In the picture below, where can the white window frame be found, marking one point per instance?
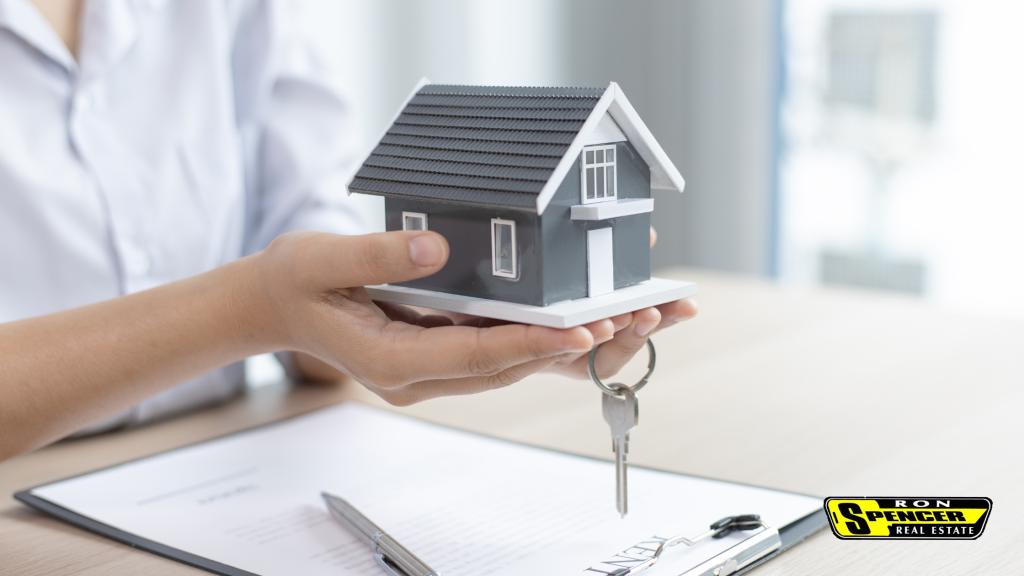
(419, 215)
(494, 243)
(613, 179)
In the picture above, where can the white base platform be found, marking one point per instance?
(561, 315)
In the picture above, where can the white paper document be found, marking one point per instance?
(467, 505)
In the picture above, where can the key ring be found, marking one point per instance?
(636, 387)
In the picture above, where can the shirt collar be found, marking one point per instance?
(23, 20)
(107, 31)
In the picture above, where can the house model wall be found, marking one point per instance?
(544, 194)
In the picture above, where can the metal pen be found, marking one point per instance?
(391, 556)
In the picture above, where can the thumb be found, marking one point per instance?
(382, 258)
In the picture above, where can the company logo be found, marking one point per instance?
(915, 518)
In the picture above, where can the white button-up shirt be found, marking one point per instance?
(187, 134)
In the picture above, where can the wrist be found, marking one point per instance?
(251, 310)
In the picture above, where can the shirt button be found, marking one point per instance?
(136, 261)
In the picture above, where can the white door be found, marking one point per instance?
(600, 267)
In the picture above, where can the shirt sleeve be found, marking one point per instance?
(298, 131)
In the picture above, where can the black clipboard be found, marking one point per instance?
(789, 535)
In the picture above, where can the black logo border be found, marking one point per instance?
(835, 532)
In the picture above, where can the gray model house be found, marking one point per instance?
(544, 194)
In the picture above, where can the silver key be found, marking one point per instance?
(622, 414)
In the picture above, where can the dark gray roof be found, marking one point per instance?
(485, 145)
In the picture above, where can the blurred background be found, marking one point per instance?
(872, 144)
(702, 74)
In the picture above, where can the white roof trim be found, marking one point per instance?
(423, 82)
(570, 156)
(664, 175)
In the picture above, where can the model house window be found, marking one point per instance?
(414, 221)
(503, 248)
(598, 174)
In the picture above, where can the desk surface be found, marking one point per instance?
(852, 394)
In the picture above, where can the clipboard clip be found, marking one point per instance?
(758, 546)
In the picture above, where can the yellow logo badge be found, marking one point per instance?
(908, 518)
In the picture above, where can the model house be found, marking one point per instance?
(544, 194)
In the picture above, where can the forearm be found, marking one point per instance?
(304, 293)
(60, 372)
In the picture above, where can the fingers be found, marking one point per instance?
(400, 313)
(329, 261)
(602, 330)
(622, 320)
(480, 322)
(434, 321)
(627, 342)
(654, 236)
(622, 337)
(406, 355)
(678, 311)
(428, 389)
(415, 354)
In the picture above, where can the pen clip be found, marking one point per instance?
(386, 565)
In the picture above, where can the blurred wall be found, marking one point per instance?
(951, 196)
(701, 73)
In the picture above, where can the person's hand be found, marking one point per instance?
(624, 336)
(316, 304)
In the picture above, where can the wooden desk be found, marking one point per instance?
(825, 393)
